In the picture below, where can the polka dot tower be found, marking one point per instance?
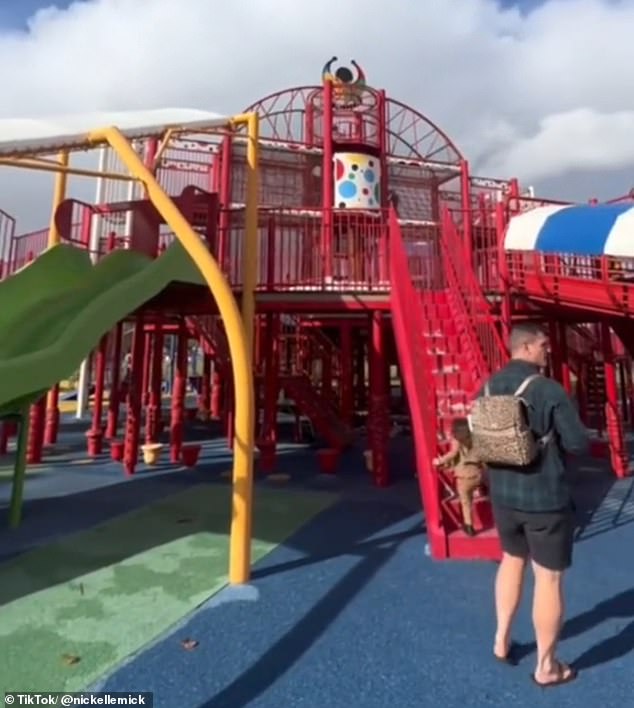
(356, 182)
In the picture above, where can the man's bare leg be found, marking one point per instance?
(508, 593)
(548, 614)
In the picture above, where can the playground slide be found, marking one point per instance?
(54, 311)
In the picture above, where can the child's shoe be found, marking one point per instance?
(469, 530)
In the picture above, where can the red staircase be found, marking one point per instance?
(214, 339)
(444, 348)
(484, 349)
(319, 409)
(593, 373)
(309, 344)
(448, 344)
(583, 349)
(586, 356)
(319, 402)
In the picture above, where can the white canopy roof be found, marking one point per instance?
(28, 136)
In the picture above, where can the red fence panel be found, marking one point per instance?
(27, 247)
(7, 234)
(296, 252)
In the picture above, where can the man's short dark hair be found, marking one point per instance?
(525, 333)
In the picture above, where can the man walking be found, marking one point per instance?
(532, 503)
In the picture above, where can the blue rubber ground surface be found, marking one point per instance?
(351, 613)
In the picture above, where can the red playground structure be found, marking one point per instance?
(388, 276)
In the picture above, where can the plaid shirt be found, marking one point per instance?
(543, 486)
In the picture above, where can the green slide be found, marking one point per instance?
(55, 311)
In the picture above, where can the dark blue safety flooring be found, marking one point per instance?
(350, 611)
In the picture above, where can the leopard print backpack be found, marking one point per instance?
(500, 429)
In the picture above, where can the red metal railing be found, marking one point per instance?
(471, 308)
(422, 247)
(600, 283)
(293, 253)
(25, 248)
(521, 263)
(7, 234)
(416, 369)
(486, 246)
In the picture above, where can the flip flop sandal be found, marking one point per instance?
(562, 677)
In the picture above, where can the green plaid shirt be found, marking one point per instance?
(542, 486)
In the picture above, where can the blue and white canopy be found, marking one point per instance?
(605, 229)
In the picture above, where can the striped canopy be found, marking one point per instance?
(606, 229)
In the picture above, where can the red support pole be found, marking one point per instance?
(153, 421)
(327, 183)
(115, 397)
(347, 375)
(133, 422)
(326, 371)
(566, 381)
(582, 397)
(361, 397)
(35, 442)
(4, 437)
(52, 416)
(147, 366)
(304, 361)
(95, 434)
(216, 393)
(268, 437)
(204, 400)
(556, 360)
(259, 338)
(618, 453)
(225, 196)
(465, 188)
(229, 413)
(379, 417)
(178, 395)
(622, 387)
(269, 344)
(629, 388)
(383, 136)
(503, 273)
(270, 254)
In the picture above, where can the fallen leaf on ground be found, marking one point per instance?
(70, 659)
(189, 644)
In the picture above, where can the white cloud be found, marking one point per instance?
(534, 95)
(581, 139)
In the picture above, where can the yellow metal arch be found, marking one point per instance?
(239, 328)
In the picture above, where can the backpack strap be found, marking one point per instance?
(525, 384)
(545, 439)
(522, 387)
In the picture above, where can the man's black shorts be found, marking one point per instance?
(544, 537)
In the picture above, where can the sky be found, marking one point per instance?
(533, 88)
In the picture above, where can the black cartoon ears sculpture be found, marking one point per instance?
(347, 87)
